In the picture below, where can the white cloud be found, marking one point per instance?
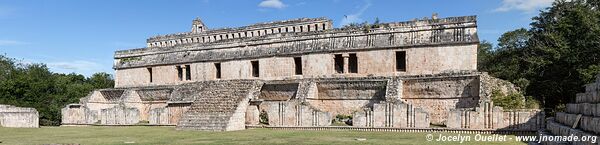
(355, 17)
(10, 42)
(526, 6)
(84, 67)
(272, 4)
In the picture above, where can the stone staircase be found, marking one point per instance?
(581, 118)
(220, 106)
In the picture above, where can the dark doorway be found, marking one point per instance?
(339, 63)
(401, 61)
(255, 67)
(298, 64)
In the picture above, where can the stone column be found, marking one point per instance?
(346, 61)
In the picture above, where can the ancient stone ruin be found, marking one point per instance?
(11, 116)
(581, 118)
(304, 73)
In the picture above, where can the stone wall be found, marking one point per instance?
(159, 116)
(419, 60)
(124, 107)
(11, 116)
(392, 114)
(375, 101)
(581, 118)
(487, 116)
(255, 30)
(77, 114)
(488, 84)
(293, 113)
(346, 97)
(119, 115)
(439, 95)
(431, 46)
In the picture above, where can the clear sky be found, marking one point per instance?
(81, 35)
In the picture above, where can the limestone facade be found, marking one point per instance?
(299, 72)
(11, 116)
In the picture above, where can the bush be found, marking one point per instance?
(342, 120)
(514, 100)
(34, 85)
(264, 118)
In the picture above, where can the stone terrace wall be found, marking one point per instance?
(77, 114)
(11, 116)
(220, 106)
(119, 115)
(260, 29)
(581, 118)
(392, 114)
(448, 31)
(438, 95)
(487, 116)
(294, 113)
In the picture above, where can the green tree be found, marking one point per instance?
(34, 85)
(555, 57)
(562, 52)
(102, 80)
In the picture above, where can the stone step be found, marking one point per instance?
(215, 105)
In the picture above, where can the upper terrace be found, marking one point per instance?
(190, 42)
(255, 30)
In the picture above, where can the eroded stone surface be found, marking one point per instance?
(11, 116)
(299, 72)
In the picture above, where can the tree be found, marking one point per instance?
(34, 85)
(552, 60)
(563, 50)
(102, 80)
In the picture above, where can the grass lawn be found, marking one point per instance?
(168, 135)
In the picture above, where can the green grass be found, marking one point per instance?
(168, 135)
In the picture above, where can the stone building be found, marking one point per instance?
(300, 72)
(11, 116)
(580, 119)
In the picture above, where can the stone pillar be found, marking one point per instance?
(346, 61)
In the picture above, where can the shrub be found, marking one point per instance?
(514, 100)
(264, 118)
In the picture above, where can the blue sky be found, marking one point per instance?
(81, 35)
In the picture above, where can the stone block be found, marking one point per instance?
(421, 118)
(119, 115)
(11, 116)
(573, 108)
(454, 118)
(560, 117)
(596, 125)
(587, 109)
(362, 118)
(252, 115)
(597, 111)
(582, 98)
(291, 113)
(159, 116)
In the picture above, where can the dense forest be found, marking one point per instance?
(553, 59)
(550, 62)
(34, 85)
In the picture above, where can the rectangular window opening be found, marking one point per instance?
(401, 61)
(255, 67)
(218, 70)
(353, 63)
(179, 73)
(150, 73)
(298, 64)
(188, 72)
(339, 63)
